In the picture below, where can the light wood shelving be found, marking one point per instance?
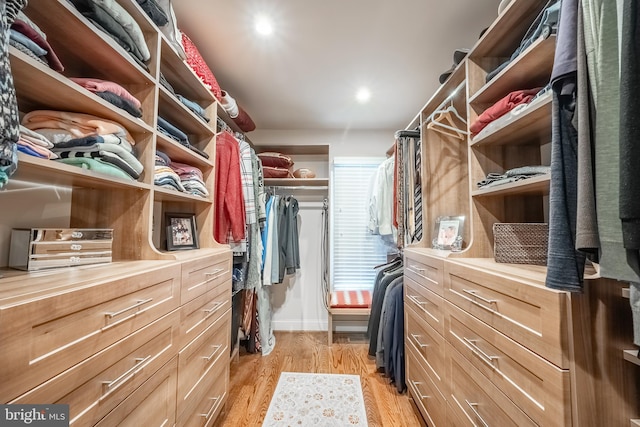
(536, 185)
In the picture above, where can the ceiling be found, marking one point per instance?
(305, 75)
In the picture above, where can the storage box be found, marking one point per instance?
(41, 248)
(521, 243)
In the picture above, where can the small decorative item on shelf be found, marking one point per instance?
(447, 233)
(181, 231)
(41, 248)
(521, 243)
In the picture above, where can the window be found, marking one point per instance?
(354, 250)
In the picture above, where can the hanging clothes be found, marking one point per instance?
(229, 209)
(385, 276)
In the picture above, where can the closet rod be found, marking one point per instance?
(298, 187)
(447, 99)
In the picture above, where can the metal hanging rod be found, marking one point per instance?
(298, 187)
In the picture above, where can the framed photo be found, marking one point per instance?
(447, 233)
(181, 231)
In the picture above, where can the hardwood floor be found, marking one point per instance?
(254, 378)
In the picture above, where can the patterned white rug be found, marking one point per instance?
(318, 400)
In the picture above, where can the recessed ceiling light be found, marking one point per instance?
(263, 25)
(363, 95)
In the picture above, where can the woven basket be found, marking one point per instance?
(521, 243)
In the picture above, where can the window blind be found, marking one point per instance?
(354, 250)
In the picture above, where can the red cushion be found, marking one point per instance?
(200, 67)
(350, 299)
(270, 172)
(275, 160)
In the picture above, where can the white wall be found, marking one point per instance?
(298, 302)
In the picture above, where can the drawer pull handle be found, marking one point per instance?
(215, 350)
(415, 267)
(214, 272)
(476, 349)
(213, 309)
(124, 310)
(76, 247)
(215, 403)
(420, 395)
(127, 375)
(415, 299)
(476, 413)
(415, 337)
(475, 294)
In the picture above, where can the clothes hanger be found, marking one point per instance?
(442, 122)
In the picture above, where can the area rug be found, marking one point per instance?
(318, 400)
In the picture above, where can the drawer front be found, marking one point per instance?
(426, 395)
(210, 402)
(98, 384)
(70, 248)
(202, 311)
(44, 337)
(198, 359)
(426, 271)
(474, 398)
(428, 305)
(429, 345)
(201, 275)
(151, 405)
(539, 388)
(528, 313)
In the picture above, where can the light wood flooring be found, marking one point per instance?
(253, 378)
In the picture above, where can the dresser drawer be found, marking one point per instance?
(202, 275)
(197, 362)
(526, 312)
(43, 337)
(202, 311)
(151, 405)
(426, 395)
(98, 384)
(539, 388)
(207, 408)
(428, 305)
(425, 270)
(428, 345)
(476, 401)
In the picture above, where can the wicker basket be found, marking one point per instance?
(521, 243)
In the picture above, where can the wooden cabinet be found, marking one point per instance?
(516, 352)
(124, 343)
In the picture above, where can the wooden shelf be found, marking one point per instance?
(534, 124)
(180, 153)
(537, 185)
(176, 113)
(297, 182)
(168, 195)
(504, 35)
(39, 87)
(634, 423)
(86, 44)
(49, 172)
(531, 69)
(625, 293)
(181, 77)
(631, 356)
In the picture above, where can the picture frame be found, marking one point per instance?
(182, 232)
(448, 232)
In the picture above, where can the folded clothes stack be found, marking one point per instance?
(115, 21)
(27, 37)
(178, 176)
(513, 175)
(87, 141)
(34, 144)
(502, 107)
(173, 132)
(154, 11)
